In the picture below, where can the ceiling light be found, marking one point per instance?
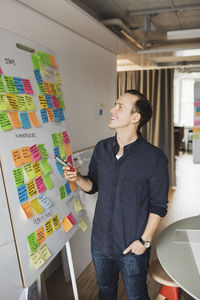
(183, 34)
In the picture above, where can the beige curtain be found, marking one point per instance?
(157, 86)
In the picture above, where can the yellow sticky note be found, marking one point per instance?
(66, 224)
(35, 204)
(31, 188)
(78, 206)
(53, 88)
(36, 260)
(21, 102)
(12, 101)
(44, 252)
(37, 169)
(33, 119)
(58, 77)
(29, 171)
(27, 209)
(82, 225)
(40, 234)
(14, 119)
(56, 222)
(42, 101)
(48, 227)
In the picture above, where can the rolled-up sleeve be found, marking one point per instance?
(92, 173)
(159, 187)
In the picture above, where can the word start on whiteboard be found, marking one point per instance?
(10, 61)
(25, 135)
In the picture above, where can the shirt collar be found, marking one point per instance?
(130, 147)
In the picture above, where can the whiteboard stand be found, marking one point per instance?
(71, 269)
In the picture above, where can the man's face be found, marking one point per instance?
(121, 116)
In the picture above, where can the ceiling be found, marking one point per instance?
(147, 25)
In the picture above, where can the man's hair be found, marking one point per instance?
(142, 106)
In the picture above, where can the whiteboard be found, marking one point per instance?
(16, 62)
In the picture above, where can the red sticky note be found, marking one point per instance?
(35, 153)
(40, 186)
(71, 218)
(27, 86)
(1, 72)
(55, 102)
(66, 138)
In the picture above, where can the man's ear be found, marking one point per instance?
(136, 118)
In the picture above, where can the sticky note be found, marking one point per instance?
(1, 72)
(198, 113)
(61, 102)
(196, 103)
(60, 138)
(43, 151)
(41, 57)
(40, 234)
(50, 115)
(69, 159)
(47, 87)
(10, 84)
(31, 188)
(68, 149)
(14, 118)
(196, 129)
(25, 120)
(36, 260)
(48, 101)
(35, 153)
(56, 115)
(2, 86)
(54, 138)
(78, 206)
(82, 225)
(66, 224)
(41, 88)
(42, 101)
(198, 108)
(62, 192)
(40, 185)
(59, 168)
(48, 181)
(67, 188)
(29, 171)
(27, 209)
(60, 114)
(35, 61)
(44, 252)
(62, 151)
(19, 85)
(26, 154)
(53, 89)
(56, 222)
(71, 218)
(196, 136)
(44, 116)
(35, 204)
(73, 186)
(52, 59)
(27, 86)
(66, 138)
(29, 102)
(33, 119)
(48, 227)
(3, 104)
(22, 193)
(56, 151)
(196, 122)
(18, 176)
(44, 201)
(38, 76)
(37, 169)
(17, 157)
(21, 102)
(45, 166)
(58, 77)
(55, 102)
(45, 73)
(12, 101)
(32, 241)
(58, 89)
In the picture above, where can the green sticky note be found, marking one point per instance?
(45, 166)
(42, 150)
(18, 176)
(61, 102)
(35, 62)
(62, 151)
(4, 121)
(48, 181)
(42, 59)
(47, 59)
(2, 86)
(62, 192)
(3, 104)
(10, 84)
(41, 88)
(32, 241)
(21, 102)
(60, 139)
(196, 136)
(29, 102)
(54, 138)
(29, 171)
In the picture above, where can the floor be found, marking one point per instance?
(183, 203)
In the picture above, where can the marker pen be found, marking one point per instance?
(64, 163)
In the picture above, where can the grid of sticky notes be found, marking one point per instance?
(50, 97)
(32, 178)
(196, 128)
(16, 104)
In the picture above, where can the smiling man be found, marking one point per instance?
(131, 178)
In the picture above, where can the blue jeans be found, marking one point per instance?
(133, 269)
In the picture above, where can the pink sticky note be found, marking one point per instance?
(55, 102)
(40, 186)
(71, 218)
(196, 122)
(1, 72)
(69, 159)
(66, 138)
(27, 86)
(196, 103)
(35, 153)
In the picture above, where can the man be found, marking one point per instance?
(131, 178)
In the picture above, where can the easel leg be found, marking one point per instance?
(71, 269)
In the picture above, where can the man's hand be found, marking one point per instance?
(71, 176)
(136, 247)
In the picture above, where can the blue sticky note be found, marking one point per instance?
(67, 188)
(38, 76)
(61, 114)
(56, 115)
(25, 120)
(48, 100)
(19, 85)
(198, 108)
(56, 151)
(44, 116)
(22, 193)
(59, 168)
(44, 201)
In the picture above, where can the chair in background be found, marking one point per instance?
(189, 143)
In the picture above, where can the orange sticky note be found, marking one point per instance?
(198, 113)
(68, 149)
(66, 224)
(27, 209)
(14, 119)
(17, 157)
(196, 129)
(33, 119)
(40, 234)
(26, 153)
(73, 186)
(50, 115)
(52, 59)
(47, 87)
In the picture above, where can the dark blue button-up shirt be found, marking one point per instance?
(128, 190)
